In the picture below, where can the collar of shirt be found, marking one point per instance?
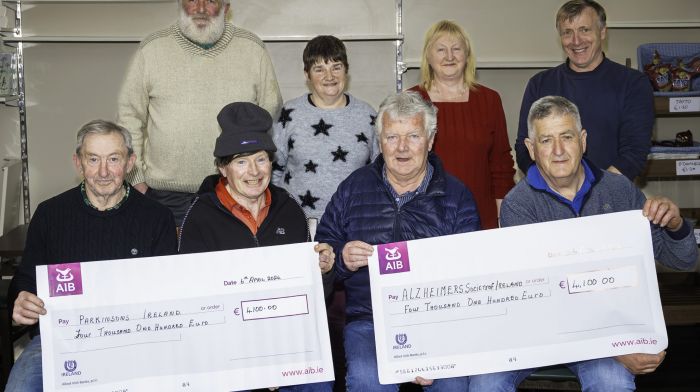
(535, 179)
(311, 102)
(240, 212)
(408, 196)
(116, 206)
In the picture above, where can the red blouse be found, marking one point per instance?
(472, 142)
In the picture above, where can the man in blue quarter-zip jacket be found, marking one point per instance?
(562, 184)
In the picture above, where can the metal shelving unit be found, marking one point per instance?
(18, 100)
(13, 37)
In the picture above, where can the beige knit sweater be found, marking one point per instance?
(171, 95)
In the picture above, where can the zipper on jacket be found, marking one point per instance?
(220, 207)
(576, 214)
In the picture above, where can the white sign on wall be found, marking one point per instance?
(684, 104)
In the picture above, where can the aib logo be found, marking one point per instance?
(401, 339)
(65, 279)
(393, 258)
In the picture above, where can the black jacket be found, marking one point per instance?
(209, 227)
(64, 229)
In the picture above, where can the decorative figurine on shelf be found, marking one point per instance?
(684, 139)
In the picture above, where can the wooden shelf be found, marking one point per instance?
(691, 213)
(666, 169)
(680, 297)
(661, 107)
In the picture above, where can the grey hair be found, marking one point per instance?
(407, 104)
(552, 106)
(102, 127)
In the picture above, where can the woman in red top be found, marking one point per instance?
(472, 139)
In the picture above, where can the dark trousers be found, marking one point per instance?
(178, 202)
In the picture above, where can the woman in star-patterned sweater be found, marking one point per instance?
(323, 136)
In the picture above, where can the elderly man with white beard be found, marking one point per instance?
(178, 80)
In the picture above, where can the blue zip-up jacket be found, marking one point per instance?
(363, 209)
(526, 204)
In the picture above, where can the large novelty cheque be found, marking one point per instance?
(515, 298)
(217, 321)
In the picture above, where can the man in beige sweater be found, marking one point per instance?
(178, 81)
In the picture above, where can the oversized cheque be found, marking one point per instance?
(216, 321)
(515, 298)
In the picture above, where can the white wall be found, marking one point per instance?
(71, 83)
(68, 84)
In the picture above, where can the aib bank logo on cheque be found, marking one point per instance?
(393, 258)
(65, 279)
(401, 340)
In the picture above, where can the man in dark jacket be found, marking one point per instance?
(103, 218)
(403, 195)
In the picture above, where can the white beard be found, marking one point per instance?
(206, 35)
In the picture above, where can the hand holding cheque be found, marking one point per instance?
(663, 212)
(356, 254)
(28, 308)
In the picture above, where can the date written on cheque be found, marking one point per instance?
(252, 279)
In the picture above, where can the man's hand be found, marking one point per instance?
(28, 308)
(326, 257)
(356, 254)
(641, 363)
(422, 381)
(663, 212)
(141, 187)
